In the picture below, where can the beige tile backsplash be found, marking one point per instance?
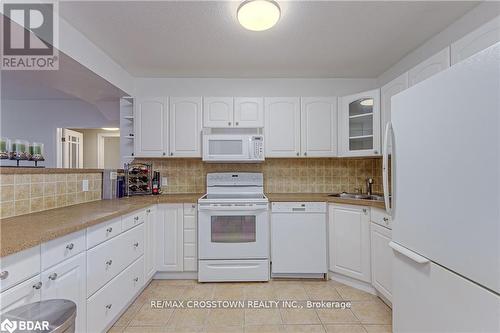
(28, 193)
(311, 175)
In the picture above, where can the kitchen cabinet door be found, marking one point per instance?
(185, 126)
(386, 92)
(349, 237)
(190, 238)
(359, 124)
(26, 292)
(67, 280)
(429, 67)
(282, 126)
(319, 126)
(218, 112)
(150, 243)
(476, 41)
(150, 127)
(381, 262)
(249, 112)
(170, 238)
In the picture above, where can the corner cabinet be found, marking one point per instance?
(282, 126)
(150, 127)
(318, 126)
(185, 126)
(170, 238)
(349, 239)
(359, 124)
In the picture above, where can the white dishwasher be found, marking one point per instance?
(298, 239)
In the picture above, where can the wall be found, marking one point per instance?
(37, 120)
(478, 16)
(294, 175)
(250, 87)
(90, 147)
(28, 193)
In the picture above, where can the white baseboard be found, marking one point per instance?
(361, 285)
(176, 276)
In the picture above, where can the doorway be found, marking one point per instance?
(69, 149)
(108, 151)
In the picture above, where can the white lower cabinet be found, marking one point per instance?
(105, 305)
(190, 238)
(67, 280)
(170, 238)
(382, 256)
(349, 238)
(150, 229)
(26, 292)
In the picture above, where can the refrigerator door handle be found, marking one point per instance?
(408, 253)
(385, 169)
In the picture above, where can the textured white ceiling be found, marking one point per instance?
(312, 39)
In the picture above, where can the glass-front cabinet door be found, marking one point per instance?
(359, 125)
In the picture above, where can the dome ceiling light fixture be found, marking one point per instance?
(258, 15)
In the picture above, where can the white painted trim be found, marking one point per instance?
(176, 276)
(100, 147)
(361, 285)
(59, 161)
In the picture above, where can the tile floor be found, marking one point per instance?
(368, 313)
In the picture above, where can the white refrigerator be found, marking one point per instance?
(442, 162)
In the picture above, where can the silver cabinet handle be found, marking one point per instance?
(109, 262)
(229, 123)
(375, 152)
(70, 246)
(365, 210)
(109, 229)
(109, 306)
(4, 275)
(37, 285)
(136, 244)
(148, 211)
(53, 276)
(136, 218)
(136, 279)
(298, 154)
(237, 123)
(164, 153)
(171, 154)
(305, 154)
(385, 219)
(193, 206)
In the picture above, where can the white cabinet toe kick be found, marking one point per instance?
(233, 270)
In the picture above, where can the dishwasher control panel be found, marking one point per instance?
(298, 207)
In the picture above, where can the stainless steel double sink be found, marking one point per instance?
(359, 196)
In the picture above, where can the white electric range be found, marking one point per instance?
(233, 229)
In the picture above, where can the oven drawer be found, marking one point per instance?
(233, 270)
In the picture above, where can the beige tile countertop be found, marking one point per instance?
(323, 197)
(24, 231)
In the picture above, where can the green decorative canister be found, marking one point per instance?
(4, 148)
(36, 151)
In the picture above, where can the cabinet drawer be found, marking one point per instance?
(19, 266)
(132, 220)
(135, 278)
(189, 222)
(59, 249)
(104, 262)
(132, 244)
(189, 236)
(189, 209)
(102, 232)
(104, 306)
(380, 217)
(21, 294)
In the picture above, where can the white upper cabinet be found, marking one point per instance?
(476, 41)
(386, 92)
(359, 124)
(150, 127)
(349, 237)
(433, 65)
(319, 126)
(185, 126)
(249, 112)
(282, 126)
(218, 112)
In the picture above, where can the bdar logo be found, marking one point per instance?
(8, 326)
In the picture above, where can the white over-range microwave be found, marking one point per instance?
(233, 148)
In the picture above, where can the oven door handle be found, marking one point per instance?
(232, 208)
